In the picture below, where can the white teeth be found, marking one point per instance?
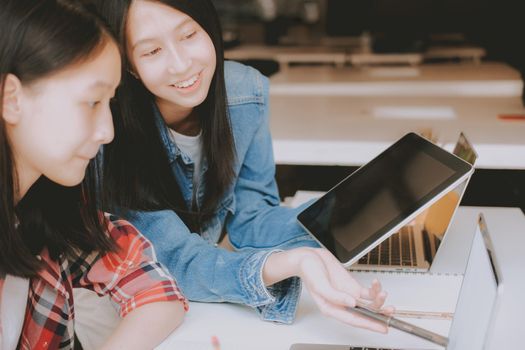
(187, 83)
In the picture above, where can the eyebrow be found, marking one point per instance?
(101, 84)
(144, 40)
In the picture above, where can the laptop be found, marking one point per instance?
(415, 246)
(382, 196)
(476, 305)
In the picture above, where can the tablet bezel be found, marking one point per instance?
(462, 170)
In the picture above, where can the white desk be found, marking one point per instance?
(350, 131)
(239, 327)
(489, 79)
(346, 116)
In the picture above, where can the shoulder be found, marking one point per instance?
(129, 241)
(244, 84)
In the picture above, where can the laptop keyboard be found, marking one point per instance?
(397, 250)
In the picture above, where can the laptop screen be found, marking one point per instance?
(438, 218)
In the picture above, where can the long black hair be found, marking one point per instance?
(137, 174)
(39, 38)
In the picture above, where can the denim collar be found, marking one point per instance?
(173, 150)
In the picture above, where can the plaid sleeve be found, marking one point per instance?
(132, 276)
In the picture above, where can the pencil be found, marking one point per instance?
(441, 315)
(401, 325)
(424, 314)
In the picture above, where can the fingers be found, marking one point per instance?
(335, 291)
(372, 292)
(379, 300)
(343, 280)
(378, 304)
(375, 294)
(377, 297)
(388, 310)
(343, 315)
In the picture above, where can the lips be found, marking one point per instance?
(187, 83)
(89, 156)
(85, 159)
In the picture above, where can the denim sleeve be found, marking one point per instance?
(209, 274)
(260, 221)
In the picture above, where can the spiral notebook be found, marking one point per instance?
(409, 292)
(478, 292)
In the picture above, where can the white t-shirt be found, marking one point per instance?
(12, 310)
(192, 147)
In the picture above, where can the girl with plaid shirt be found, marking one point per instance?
(59, 68)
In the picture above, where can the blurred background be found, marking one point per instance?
(383, 26)
(435, 66)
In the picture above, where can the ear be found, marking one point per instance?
(12, 99)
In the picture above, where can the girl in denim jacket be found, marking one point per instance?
(192, 160)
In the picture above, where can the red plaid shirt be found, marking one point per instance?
(132, 277)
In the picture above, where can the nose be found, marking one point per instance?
(179, 60)
(104, 133)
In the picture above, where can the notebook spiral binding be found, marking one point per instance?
(401, 273)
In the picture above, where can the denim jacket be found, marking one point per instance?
(257, 226)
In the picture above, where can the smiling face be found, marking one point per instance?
(172, 55)
(57, 124)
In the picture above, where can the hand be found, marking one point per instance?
(330, 285)
(334, 289)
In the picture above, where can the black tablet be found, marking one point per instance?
(382, 196)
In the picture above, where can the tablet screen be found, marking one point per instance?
(378, 196)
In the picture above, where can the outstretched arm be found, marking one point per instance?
(146, 326)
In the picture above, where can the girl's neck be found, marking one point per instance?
(24, 180)
(183, 120)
